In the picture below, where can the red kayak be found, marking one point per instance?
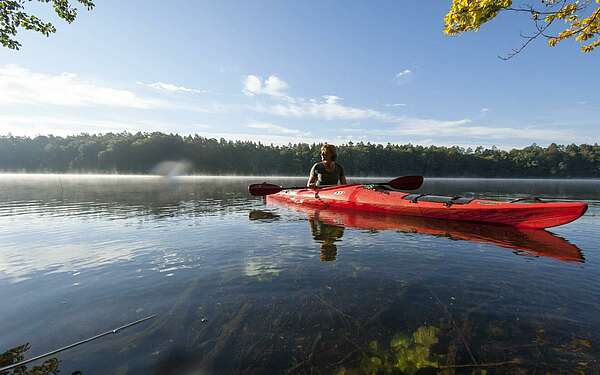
(521, 213)
(533, 242)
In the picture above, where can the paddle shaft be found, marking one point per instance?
(400, 183)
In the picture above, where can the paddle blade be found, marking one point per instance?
(406, 182)
(263, 189)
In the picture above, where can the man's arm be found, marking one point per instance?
(312, 177)
(342, 176)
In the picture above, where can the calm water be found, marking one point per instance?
(239, 286)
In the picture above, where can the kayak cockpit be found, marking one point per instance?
(415, 198)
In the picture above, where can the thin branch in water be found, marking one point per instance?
(460, 333)
(492, 364)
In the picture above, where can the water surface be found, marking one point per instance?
(239, 286)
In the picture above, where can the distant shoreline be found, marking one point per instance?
(175, 155)
(4, 175)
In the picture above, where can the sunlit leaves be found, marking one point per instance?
(468, 15)
(13, 17)
(582, 23)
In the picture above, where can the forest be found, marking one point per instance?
(141, 152)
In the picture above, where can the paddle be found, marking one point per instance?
(399, 183)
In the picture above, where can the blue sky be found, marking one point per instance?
(281, 71)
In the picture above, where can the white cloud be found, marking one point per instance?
(278, 139)
(396, 105)
(403, 76)
(277, 129)
(252, 85)
(275, 86)
(463, 129)
(325, 108)
(416, 131)
(169, 87)
(383, 137)
(396, 128)
(272, 86)
(403, 73)
(24, 125)
(201, 126)
(328, 107)
(21, 86)
(331, 99)
(59, 125)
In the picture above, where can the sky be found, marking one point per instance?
(304, 71)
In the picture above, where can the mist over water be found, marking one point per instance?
(241, 286)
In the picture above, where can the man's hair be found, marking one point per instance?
(328, 148)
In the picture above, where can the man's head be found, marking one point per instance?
(328, 152)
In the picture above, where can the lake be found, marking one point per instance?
(239, 286)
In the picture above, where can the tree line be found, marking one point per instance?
(141, 152)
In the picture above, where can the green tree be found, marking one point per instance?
(142, 152)
(13, 16)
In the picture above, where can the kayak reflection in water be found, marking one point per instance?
(326, 235)
(327, 226)
(327, 171)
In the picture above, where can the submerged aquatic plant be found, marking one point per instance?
(406, 353)
(16, 355)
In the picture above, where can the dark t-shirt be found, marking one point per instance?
(327, 177)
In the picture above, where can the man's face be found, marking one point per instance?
(328, 155)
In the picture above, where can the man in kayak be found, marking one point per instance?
(327, 171)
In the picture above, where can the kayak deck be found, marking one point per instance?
(535, 215)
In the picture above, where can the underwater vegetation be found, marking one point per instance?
(17, 354)
(418, 353)
(405, 354)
